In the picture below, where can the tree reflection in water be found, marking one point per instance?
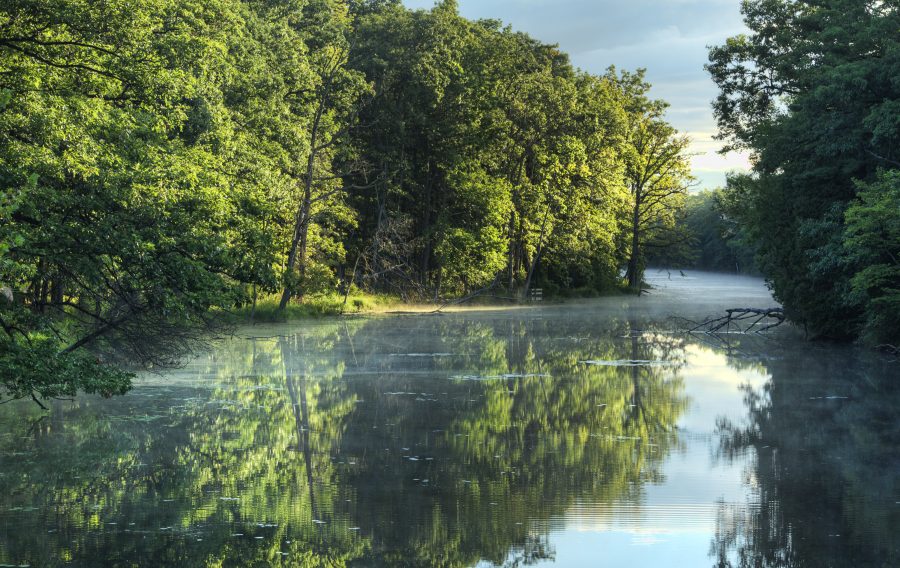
(445, 442)
(823, 437)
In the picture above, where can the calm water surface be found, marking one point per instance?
(588, 434)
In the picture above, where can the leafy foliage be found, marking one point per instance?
(165, 161)
(813, 93)
(712, 239)
(872, 244)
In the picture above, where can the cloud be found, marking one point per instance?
(669, 38)
(585, 25)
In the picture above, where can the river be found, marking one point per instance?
(593, 433)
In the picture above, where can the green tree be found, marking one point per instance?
(713, 240)
(872, 244)
(501, 158)
(149, 173)
(811, 91)
(332, 105)
(657, 174)
(109, 136)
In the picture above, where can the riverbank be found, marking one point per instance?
(659, 284)
(267, 309)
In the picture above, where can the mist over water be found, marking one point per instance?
(593, 433)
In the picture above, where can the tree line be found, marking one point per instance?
(163, 161)
(706, 235)
(812, 91)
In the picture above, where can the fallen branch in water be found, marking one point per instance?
(468, 298)
(889, 349)
(773, 317)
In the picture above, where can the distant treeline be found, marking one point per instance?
(162, 161)
(709, 238)
(813, 91)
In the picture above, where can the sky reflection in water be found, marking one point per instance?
(583, 435)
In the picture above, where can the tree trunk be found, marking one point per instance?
(57, 292)
(425, 259)
(537, 254)
(515, 241)
(300, 232)
(512, 250)
(301, 223)
(304, 239)
(437, 284)
(634, 268)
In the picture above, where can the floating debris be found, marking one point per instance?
(628, 363)
(419, 355)
(498, 377)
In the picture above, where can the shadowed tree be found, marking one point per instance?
(657, 174)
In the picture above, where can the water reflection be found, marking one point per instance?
(822, 438)
(452, 441)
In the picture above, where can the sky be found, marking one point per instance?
(669, 38)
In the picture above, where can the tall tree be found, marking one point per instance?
(657, 174)
(332, 102)
(812, 92)
(121, 129)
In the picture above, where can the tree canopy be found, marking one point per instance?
(812, 92)
(165, 161)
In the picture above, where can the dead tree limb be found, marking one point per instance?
(467, 298)
(764, 319)
(889, 349)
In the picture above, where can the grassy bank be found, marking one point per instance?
(320, 305)
(334, 304)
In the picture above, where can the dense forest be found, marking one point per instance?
(706, 235)
(165, 161)
(813, 91)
